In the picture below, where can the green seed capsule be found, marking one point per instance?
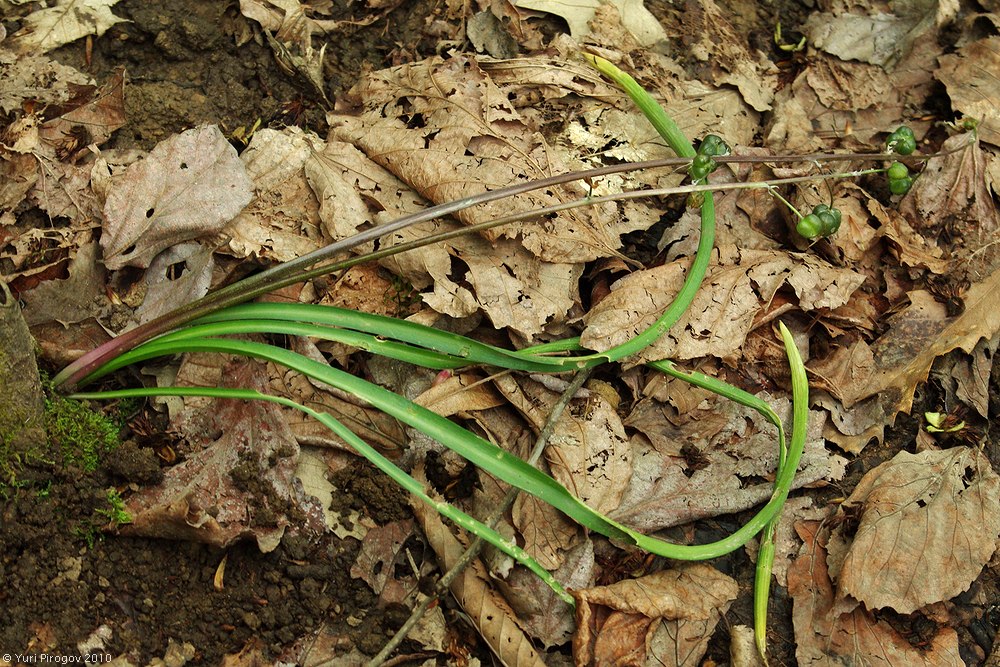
(702, 166)
(713, 145)
(897, 171)
(810, 226)
(900, 186)
(831, 222)
(902, 141)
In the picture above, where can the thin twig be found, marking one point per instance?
(472, 551)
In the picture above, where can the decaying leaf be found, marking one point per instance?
(241, 485)
(379, 547)
(77, 298)
(579, 13)
(670, 615)
(738, 287)
(874, 383)
(189, 186)
(928, 525)
(180, 274)
(826, 635)
(712, 463)
(951, 199)
(878, 38)
(65, 22)
(35, 77)
(971, 79)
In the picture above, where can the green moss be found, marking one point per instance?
(84, 436)
(116, 514)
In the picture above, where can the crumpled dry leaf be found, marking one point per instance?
(90, 118)
(711, 39)
(825, 635)
(242, 484)
(446, 129)
(189, 186)
(77, 298)
(971, 79)
(878, 38)
(951, 198)
(874, 383)
(737, 289)
(282, 221)
(579, 13)
(681, 605)
(65, 22)
(35, 77)
(928, 526)
(713, 462)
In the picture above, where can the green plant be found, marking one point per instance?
(204, 324)
(115, 512)
(84, 436)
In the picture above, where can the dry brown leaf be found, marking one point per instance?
(951, 199)
(546, 532)
(876, 382)
(588, 451)
(381, 544)
(189, 186)
(492, 616)
(878, 38)
(578, 15)
(241, 485)
(928, 525)
(737, 289)
(77, 298)
(65, 22)
(448, 131)
(282, 221)
(90, 119)
(712, 464)
(682, 605)
(973, 83)
(34, 77)
(464, 392)
(824, 635)
(711, 39)
(966, 377)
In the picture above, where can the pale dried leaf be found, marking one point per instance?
(189, 186)
(928, 526)
(951, 197)
(464, 392)
(240, 485)
(77, 298)
(91, 120)
(689, 601)
(876, 382)
(381, 544)
(713, 464)
(579, 13)
(972, 77)
(282, 221)
(177, 276)
(67, 21)
(34, 77)
(492, 616)
(878, 38)
(825, 636)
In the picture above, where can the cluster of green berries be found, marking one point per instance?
(823, 221)
(903, 142)
(703, 164)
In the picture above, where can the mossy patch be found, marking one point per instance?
(83, 436)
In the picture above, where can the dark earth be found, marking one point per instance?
(63, 576)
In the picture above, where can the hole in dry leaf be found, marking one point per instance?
(415, 121)
(150, 212)
(175, 270)
(969, 476)
(184, 165)
(129, 250)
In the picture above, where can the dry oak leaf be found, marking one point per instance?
(67, 21)
(826, 636)
(189, 186)
(681, 605)
(929, 524)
